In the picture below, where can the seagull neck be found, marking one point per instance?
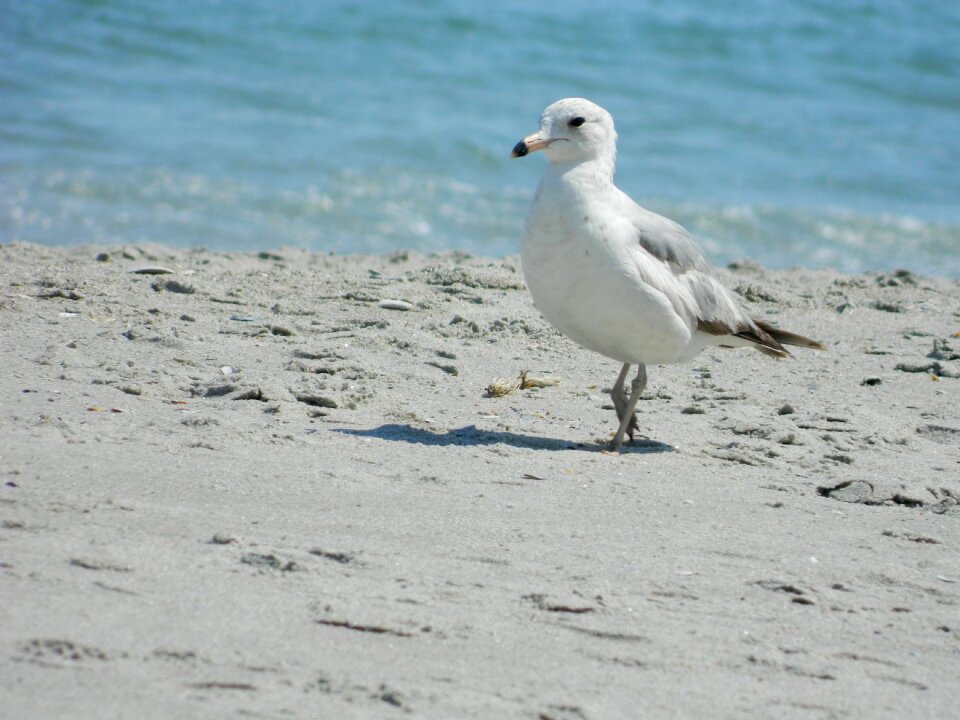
(596, 172)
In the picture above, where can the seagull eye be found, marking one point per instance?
(577, 121)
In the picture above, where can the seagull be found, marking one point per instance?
(616, 278)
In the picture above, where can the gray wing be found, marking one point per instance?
(716, 309)
(669, 242)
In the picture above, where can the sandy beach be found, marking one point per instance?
(274, 485)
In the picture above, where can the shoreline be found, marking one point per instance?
(272, 482)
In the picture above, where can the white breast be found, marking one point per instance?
(580, 261)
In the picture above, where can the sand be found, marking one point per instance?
(272, 485)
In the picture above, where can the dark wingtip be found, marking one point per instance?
(788, 338)
(519, 150)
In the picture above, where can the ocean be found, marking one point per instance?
(793, 132)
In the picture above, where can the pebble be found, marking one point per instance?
(149, 269)
(319, 401)
(449, 369)
(395, 305)
(174, 287)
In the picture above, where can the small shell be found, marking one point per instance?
(395, 305)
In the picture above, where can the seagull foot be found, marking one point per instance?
(632, 427)
(620, 403)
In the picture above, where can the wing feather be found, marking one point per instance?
(714, 308)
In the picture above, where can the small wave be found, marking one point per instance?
(391, 208)
(814, 237)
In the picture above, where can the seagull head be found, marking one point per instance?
(572, 130)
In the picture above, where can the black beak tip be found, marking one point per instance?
(519, 150)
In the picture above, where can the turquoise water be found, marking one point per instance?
(796, 133)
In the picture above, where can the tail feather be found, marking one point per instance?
(760, 335)
(785, 337)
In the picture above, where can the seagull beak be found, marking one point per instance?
(531, 143)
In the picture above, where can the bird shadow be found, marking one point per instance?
(471, 436)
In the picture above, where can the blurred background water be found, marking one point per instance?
(795, 132)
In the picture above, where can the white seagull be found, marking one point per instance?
(614, 277)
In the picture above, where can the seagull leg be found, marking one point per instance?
(620, 401)
(628, 421)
